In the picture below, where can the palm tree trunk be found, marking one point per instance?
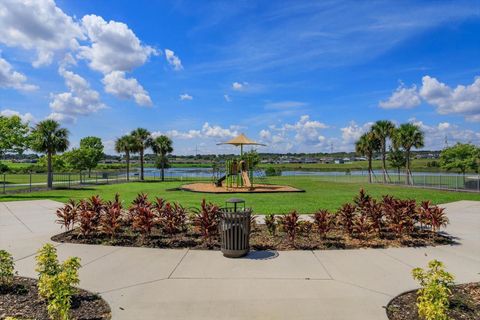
(408, 166)
(384, 164)
(370, 169)
(163, 170)
(49, 171)
(127, 158)
(141, 165)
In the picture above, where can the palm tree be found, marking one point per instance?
(142, 140)
(383, 129)
(408, 136)
(162, 145)
(49, 138)
(125, 144)
(366, 145)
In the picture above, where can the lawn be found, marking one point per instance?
(319, 194)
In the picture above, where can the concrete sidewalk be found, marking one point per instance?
(141, 283)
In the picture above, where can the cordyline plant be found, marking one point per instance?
(373, 210)
(110, 222)
(290, 225)
(144, 219)
(96, 205)
(67, 215)
(362, 199)
(172, 219)
(206, 220)
(362, 226)
(346, 214)
(141, 201)
(86, 218)
(324, 221)
(432, 216)
(271, 224)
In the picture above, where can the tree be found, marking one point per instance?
(92, 152)
(461, 156)
(125, 144)
(408, 136)
(49, 138)
(383, 129)
(397, 159)
(366, 145)
(161, 146)
(13, 135)
(142, 140)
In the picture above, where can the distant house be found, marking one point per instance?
(339, 161)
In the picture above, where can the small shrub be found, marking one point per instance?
(68, 214)
(271, 224)
(433, 297)
(346, 215)
(362, 226)
(272, 171)
(290, 225)
(206, 220)
(144, 219)
(435, 218)
(96, 205)
(86, 220)
(374, 211)
(172, 219)
(7, 268)
(111, 219)
(324, 221)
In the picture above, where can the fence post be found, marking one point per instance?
(456, 182)
(30, 181)
(69, 180)
(4, 182)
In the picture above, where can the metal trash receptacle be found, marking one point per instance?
(235, 232)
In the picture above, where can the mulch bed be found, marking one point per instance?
(21, 300)
(464, 304)
(260, 240)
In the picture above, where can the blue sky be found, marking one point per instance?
(300, 76)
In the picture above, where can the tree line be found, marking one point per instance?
(404, 138)
(49, 138)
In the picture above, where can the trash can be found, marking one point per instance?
(235, 229)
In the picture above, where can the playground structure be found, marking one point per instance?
(239, 175)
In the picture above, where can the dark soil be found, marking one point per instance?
(21, 300)
(260, 240)
(464, 304)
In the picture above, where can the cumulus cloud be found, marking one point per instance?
(114, 46)
(173, 60)
(185, 96)
(118, 85)
(239, 86)
(10, 78)
(207, 131)
(353, 131)
(403, 97)
(80, 100)
(38, 25)
(462, 100)
(26, 117)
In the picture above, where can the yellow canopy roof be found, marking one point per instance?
(241, 140)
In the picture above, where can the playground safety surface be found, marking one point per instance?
(258, 188)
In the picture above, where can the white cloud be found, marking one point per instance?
(239, 86)
(173, 60)
(216, 131)
(10, 78)
(175, 134)
(26, 117)
(402, 98)
(185, 96)
(227, 98)
(464, 100)
(80, 100)
(265, 134)
(114, 46)
(304, 131)
(126, 88)
(38, 25)
(62, 117)
(353, 131)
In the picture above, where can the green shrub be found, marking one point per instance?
(272, 171)
(432, 297)
(271, 224)
(7, 268)
(56, 281)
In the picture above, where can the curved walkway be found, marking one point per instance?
(142, 283)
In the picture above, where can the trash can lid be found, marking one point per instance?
(235, 200)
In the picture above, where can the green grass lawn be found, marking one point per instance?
(319, 194)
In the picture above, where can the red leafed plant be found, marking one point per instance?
(346, 214)
(144, 219)
(206, 220)
(374, 211)
(141, 201)
(432, 216)
(324, 221)
(290, 225)
(362, 199)
(172, 219)
(96, 205)
(86, 219)
(110, 222)
(362, 226)
(67, 215)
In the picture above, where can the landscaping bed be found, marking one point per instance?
(21, 300)
(464, 304)
(363, 223)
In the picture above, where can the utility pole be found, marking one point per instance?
(446, 142)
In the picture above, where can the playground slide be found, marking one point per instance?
(218, 183)
(246, 179)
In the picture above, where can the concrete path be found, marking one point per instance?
(144, 283)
